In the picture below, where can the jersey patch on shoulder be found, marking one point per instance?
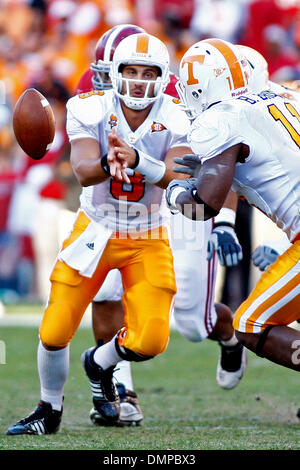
(157, 127)
(90, 93)
(88, 111)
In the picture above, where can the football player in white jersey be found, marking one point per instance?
(267, 253)
(249, 142)
(196, 315)
(120, 225)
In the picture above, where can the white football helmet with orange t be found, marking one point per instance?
(140, 49)
(212, 70)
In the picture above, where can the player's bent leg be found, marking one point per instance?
(232, 361)
(108, 319)
(281, 345)
(261, 322)
(69, 297)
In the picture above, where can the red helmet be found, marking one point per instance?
(104, 53)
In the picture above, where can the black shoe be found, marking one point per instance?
(43, 420)
(105, 395)
(231, 365)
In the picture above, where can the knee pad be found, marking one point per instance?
(55, 332)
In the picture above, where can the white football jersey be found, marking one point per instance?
(121, 206)
(270, 176)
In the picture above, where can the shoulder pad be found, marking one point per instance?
(173, 115)
(213, 132)
(86, 107)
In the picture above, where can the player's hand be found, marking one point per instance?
(185, 184)
(263, 256)
(224, 241)
(119, 156)
(190, 165)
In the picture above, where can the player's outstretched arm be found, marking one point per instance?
(86, 163)
(210, 190)
(122, 156)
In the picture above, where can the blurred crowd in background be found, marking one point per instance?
(48, 45)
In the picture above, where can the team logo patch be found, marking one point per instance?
(176, 101)
(219, 72)
(157, 127)
(113, 121)
(91, 93)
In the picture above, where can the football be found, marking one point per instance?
(34, 123)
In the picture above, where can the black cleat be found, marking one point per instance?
(130, 411)
(105, 395)
(43, 420)
(231, 365)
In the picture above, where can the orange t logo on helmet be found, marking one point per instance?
(190, 61)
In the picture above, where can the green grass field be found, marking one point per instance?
(184, 408)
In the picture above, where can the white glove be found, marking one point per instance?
(178, 186)
(190, 165)
(224, 241)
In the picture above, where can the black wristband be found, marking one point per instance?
(104, 165)
(208, 211)
(226, 224)
(137, 158)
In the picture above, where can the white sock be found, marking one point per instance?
(106, 356)
(230, 342)
(53, 367)
(122, 374)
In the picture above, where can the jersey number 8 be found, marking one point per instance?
(133, 192)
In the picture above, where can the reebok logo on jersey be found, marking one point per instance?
(91, 246)
(157, 127)
(113, 121)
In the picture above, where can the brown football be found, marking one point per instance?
(34, 123)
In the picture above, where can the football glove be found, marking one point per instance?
(190, 165)
(224, 241)
(185, 184)
(263, 256)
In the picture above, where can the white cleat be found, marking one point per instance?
(130, 411)
(231, 365)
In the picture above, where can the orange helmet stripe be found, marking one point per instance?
(142, 44)
(232, 61)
